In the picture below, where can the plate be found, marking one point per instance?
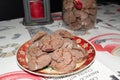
(49, 72)
(19, 75)
(109, 42)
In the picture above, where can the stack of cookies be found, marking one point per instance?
(83, 16)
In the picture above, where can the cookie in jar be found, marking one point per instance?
(79, 14)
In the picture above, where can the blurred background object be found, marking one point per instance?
(37, 12)
(11, 9)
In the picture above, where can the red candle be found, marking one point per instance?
(36, 9)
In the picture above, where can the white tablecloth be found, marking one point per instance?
(105, 36)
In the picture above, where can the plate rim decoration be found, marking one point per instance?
(21, 60)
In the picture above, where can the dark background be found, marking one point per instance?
(11, 9)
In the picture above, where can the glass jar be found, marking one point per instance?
(36, 9)
(79, 14)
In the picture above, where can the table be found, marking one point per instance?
(105, 36)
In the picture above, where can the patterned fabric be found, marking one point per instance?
(105, 36)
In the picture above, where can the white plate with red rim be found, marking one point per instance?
(48, 71)
(109, 42)
(19, 75)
